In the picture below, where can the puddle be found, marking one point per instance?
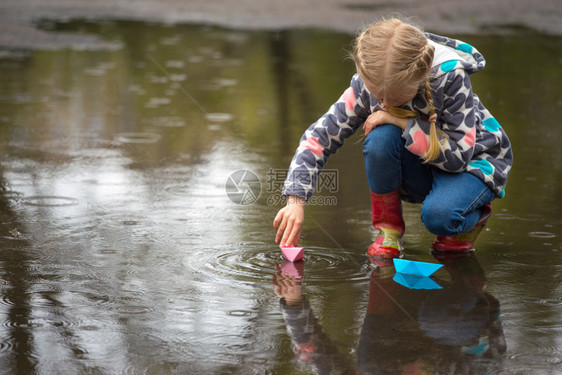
(126, 258)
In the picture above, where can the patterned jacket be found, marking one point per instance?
(476, 142)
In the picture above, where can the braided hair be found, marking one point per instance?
(394, 54)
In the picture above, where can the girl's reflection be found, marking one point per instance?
(310, 343)
(453, 330)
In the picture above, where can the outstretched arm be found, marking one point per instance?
(320, 140)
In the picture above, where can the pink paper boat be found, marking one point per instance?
(292, 253)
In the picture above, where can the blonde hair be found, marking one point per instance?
(394, 54)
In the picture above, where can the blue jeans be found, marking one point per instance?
(451, 202)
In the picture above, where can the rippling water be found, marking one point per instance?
(124, 251)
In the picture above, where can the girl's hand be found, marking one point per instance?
(381, 117)
(288, 221)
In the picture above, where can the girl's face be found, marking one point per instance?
(396, 96)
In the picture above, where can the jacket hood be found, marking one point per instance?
(451, 54)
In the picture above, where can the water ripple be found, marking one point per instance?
(49, 201)
(6, 301)
(538, 357)
(542, 234)
(219, 117)
(167, 122)
(138, 137)
(257, 264)
(10, 194)
(6, 345)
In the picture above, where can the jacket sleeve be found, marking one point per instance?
(456, 116)
(324, 137)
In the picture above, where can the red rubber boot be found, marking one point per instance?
(463, 242)
(386, 212)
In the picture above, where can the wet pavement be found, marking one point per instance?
(125, 250)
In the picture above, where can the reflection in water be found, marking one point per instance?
(455, 329)
(310, 344)
(122, 253)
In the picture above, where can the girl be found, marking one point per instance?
(428, 140)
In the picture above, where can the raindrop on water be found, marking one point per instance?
(138, 137)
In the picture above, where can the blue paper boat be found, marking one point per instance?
(412, 267)
(415, 282)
